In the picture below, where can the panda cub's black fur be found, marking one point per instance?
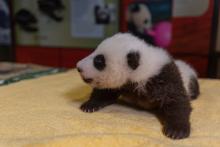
(164, 92)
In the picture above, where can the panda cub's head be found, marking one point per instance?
(140, 16)
(118, 60)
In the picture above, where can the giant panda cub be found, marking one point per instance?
(144, 75)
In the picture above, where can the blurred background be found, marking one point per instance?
(43, 34)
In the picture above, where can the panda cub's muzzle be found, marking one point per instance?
(87, 80)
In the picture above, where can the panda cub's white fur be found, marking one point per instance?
(117, 72)
(187, 73)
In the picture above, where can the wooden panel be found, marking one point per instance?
(124, 7)
(38, 55)
(192, 34)
(6, 53)
(218, 69)
(69, 57)
(55, 57)
(218, 33)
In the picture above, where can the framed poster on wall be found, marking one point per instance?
(66, 23)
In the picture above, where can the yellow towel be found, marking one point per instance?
(45, 112)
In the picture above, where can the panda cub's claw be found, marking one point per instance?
(90, 107)
(176, 132)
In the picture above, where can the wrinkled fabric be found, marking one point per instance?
(45, 112)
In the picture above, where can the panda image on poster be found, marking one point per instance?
(102, 14)
(140, 21)
(149, 21)
(26, 20)
(51, 8)
(126, 67)
(4, 23)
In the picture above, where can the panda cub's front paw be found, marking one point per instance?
(177, 132)
(90, 107)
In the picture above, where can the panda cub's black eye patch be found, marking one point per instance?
(99, 62)
(133, 59)
(145, 21)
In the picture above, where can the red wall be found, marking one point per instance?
(56, 57)
(190, 42)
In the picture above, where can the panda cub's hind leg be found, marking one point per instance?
(99, 99)
(176, 119)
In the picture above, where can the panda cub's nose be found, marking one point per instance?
(89, 80)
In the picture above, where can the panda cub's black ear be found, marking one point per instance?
(133, 59)
(135, 8)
